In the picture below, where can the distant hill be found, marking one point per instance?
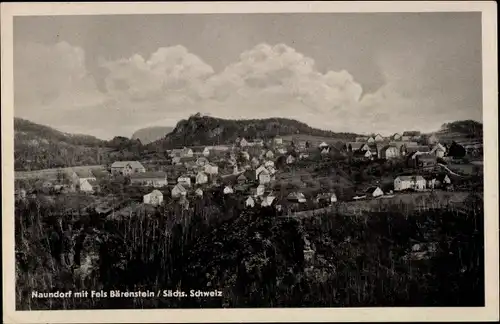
(205, 130)
(461, 131)
(41, 147)
(151, 134)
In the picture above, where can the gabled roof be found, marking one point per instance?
(179, 187)
(371, 190)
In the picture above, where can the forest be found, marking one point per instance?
(255, 257)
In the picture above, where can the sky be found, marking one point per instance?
(110, 75)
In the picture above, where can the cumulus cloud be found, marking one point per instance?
(266, 81)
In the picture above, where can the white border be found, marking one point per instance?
(490, 118)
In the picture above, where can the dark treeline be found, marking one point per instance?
(254, 257)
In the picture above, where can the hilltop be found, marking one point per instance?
(205, 130)
(461, 131)
(151, 134)
(41, 147)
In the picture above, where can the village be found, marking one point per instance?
(282, 173)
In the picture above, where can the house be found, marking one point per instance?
(20, 194)
(303, 156)
(370, 139)
(260, 190)
(425, 159)
(281, 150)
(201, 178)
(211, 169)
(127, 167)
(417, 183)
(89, 186)
(184, 180)
(267, 201)
(241, 179)
(396, 137)
(269, 164)
(264, 177)
(364, 155)
(186, 153)
(176, 160)
(389, 152)
(243, 143)
(198, 192)
(417, 148)
(79, 176)
(153, 179)
(432, 139)
(201, 161)
(322, 145)
(254, 162)
(297, 197)
(374, 192)
(438, 150)
(355, 146)
(154, 198)
(325, 151)
(326, 198)
(228, 190)
(250, 202)
(378, 138)
(178, 191)
(290, 159)
(245, 155)
(258, 142)
(270, 154)
(259, 170)
(278, 140)
(206, 152)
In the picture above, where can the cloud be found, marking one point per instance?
(53, 87)
(52, 78)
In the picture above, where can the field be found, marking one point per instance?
(51, 174)
(313, 140)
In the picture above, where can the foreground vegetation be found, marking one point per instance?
(254, 257)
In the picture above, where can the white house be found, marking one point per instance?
(206, 152)
(258, 171)
(269, 164)
(269, 154)
(290, 159)
(243, 142)
(303, 156)
(438, 150)
(297, 197)
(409, 182)
(198, 192)
(371, 139)
(201, 178)
(178, 191)
(322, 145)
(374, 192)
(378, 138)
(88, 186)
(184, 180)
(211, 169)
(260, 190)
(278, 140)
(154, 198)
(80, 176)
(250, 202)
(264, 177)
(201, 161)
(389, 152)
(228, 190)
(187, 153)
(396, 137)
(267, 201)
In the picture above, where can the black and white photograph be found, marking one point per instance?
(250, 160)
